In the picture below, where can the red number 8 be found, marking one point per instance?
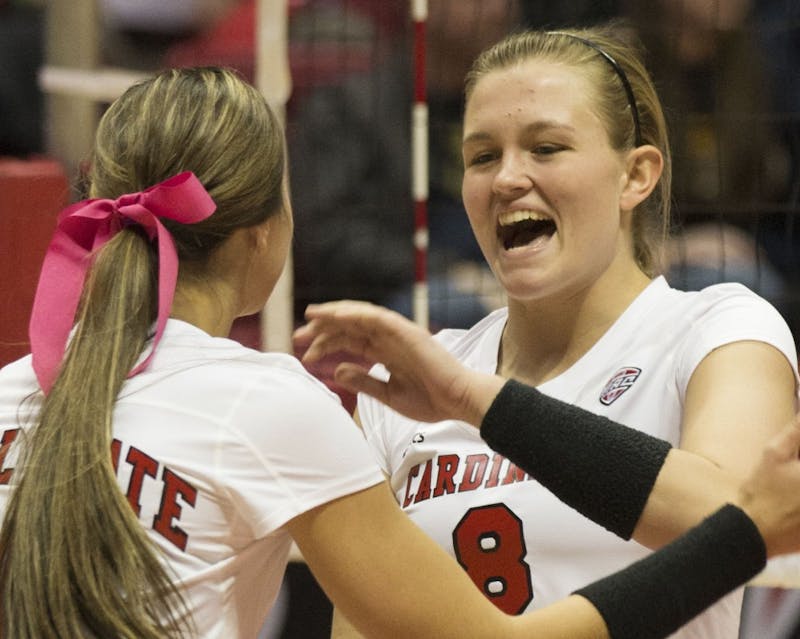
(490, 546)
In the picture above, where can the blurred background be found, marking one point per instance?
(342, 74)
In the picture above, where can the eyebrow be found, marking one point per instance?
(533, 127)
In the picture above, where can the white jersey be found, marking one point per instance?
(521, 545)
(217, 447)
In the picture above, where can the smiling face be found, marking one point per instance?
(543, 188)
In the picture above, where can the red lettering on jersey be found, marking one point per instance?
(513, 474)
(438, 477)
(5, 443)
(424, 490)
(142, 464)
(409, 495)
(494, 473)
(473, 472)
(448, 465)
(170, 508)
(116, 449)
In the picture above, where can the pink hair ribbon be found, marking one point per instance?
(84, 227)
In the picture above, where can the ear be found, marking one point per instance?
(644, 166)
(259, 235)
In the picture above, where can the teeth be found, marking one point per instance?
(512, 217)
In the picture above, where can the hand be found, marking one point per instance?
(426, 382)
(771, 493)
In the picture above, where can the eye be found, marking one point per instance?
(547, 149)
(482, 157)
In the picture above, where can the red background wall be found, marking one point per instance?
(32, 192)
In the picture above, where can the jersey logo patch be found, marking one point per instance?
(622, 380)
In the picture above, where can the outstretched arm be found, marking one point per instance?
(429, 384)
(390, 579)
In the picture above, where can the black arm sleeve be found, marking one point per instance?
(655, 596)
(602, 469)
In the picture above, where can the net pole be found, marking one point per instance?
(273, 79)
(419, 168)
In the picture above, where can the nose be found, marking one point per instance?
(513, 174)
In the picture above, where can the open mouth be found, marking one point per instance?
(522, 228)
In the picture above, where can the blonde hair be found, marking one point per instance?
(74, 559)
(652, 219)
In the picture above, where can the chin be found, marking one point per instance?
(525, 287)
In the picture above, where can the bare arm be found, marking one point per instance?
(739, 396)
(391, 580)
(341, 628)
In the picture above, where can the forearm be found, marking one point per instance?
(648, 600)
(603, 469)
(675, 504)
(656, 595)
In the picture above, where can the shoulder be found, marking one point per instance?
(726, 313)
(18, 372)
(17, 382)
(461, 342)
(718, 301)
(277, 383)
(727, 291)
(222, 375)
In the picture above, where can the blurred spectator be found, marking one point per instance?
(710, 252)
(139, 33)
(176, 16)
(350, 150)
(21, 55)
(711, 74)
(730, 164)
(774, 613)
(327, 40)
(548, 14)
(777, 26)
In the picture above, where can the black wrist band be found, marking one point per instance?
(655, 596)
(602, 469)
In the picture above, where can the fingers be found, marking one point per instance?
(769, 494)
(357, 317)
(329, 329)
(356, 379)
(365, 330)
(320, 340)
(345, 312)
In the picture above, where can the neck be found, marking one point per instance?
(210, 295)
(543, 338)
(204, 310)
